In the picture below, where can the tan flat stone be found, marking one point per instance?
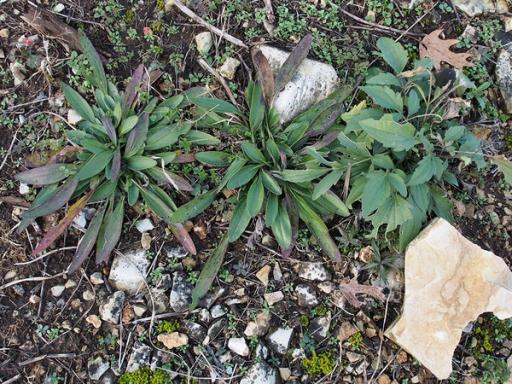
(449, 281)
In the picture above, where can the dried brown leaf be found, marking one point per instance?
(438, 50)
(352, 288)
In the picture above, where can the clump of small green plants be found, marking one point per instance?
(319, 364)
(166, 326)
(145, 376)
(122, 148)
(275, 171)
(399, 149)
(494, 370)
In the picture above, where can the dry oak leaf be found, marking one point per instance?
(438, 50)
(352, 288)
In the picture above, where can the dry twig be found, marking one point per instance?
(221, 80)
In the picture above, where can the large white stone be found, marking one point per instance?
(128, 271)
(313, 82)
(477, 7)
(449, 282)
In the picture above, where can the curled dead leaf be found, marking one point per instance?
(438, 50)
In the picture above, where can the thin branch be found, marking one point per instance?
(39, 278)
(187, 11)
(221, 80)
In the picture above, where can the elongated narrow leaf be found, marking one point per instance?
(264, 73)
(271, 210)
(240, 219)
(232, 170)
(289, 67)
(139, 163)
(166, 177)
(505, 166)
(385, 97)
(184, 238)
(159, 208)
(209, 272)
(213, 158)
(66, 221)
(131, 90)
(256, 108)
(110, 129)
(252, 152)
(113, 224)
(163, 196)
(201, 138)
(128, 124)
(326, 183)
(270, 183)
(100, 79)
(105, 189)
(115, 167)
(87, 242)
(243, 176)
(302, 175)
(94, 165)
(47, 174)
(137, 136)
(194, 207)
(215, 105)
(282, 227)
(255, 197)
(78, 103)
(55, 202)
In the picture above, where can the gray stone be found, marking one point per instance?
(319, 327)
(279, 340)
(261, 351)
(214, 331)
(239, 346)
(111, 309)
(97, 278)
(195, 331)
(204, 42)
(478, 7)
(144, 225)
(218, 311)
(204, 315)
(312, 271)
(181, 293)
(261, 373)
(176, 252)
(128, 271)
(140, 357)
(97, 368)
(313, 82)
(306, 296)
(504, 77)
(57, 290)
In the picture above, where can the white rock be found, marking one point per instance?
(80, 220)
(261, 373)
(204, 315)
(449, 282)
(204, 42)
(181, 293)
(273, 297)
(306, 296)
(97, 278)
(238, 346)
(477, 7)
(97, 368)
(70, 283)
(140, 357)
(111, 309)
(94, 320)
(277, 274)
(144, 225)
(279, 340)
(128, 271)
(59, 8)
(312, 271)
(57, 290)
(285, 373)
(259, 326)
(10, 274)
(88, 295)
(139, 309)
(17, 70)
(504, 77)
(313, 82)
(228, 69)
(218, 311)
(173, 340)
(73, 117)
(24, 189)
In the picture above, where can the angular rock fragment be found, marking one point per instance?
(261, 373)
(111, 309)
(449, 282)
(312, 82)
(504, 77)
(173, 340)
(478, 7)
(280, 339)
(181, 293)
(139, 357)
(312, 271)
(128, 271)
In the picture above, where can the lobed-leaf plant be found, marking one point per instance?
(400, 146)
(123, 147)
(275, 175)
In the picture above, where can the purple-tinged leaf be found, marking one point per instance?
(163, 176)
(55, 202)
(184, 238)
(87, 242)
(109, 127)
(264, 73)
(115, 165)
(289, 67)
(66, 221)
(130, 92)
(47, 174)
(137, 136)
(110, 233)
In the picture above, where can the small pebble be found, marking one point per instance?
(94, 320)
(97, 278)
(88, 295)
(57, 290)
(273, 297)
(70, 284)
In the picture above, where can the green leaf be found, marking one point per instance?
(94, 60)
(376, 191)
(255, 197)
(398, 183)
(413, 103)
(454, 133)
(213, 158)
(193, 207)
(215, 105)
(166, 136)
(356, 191)
(94, 165)
(159, 208)
(399, 137)
(243, 176)
(326, 183)
(201, 138)
(139, 163)
(232, 170)
(393, 53)
(394, 212)
(137, 136)
(282, 228)
(240, 219)
(110, 233)
(132, 194)
(384, 97)
(78, 103)
(106, 189)
(383, 160)
(384, 78)
(270, 183)
(127, 124)
(209, 271)
(420, 195)
(271, 209)
(252, 152)
(442, 206)
(47, 174)
(162, 195)
(302, 175)
(426, 169)
(257, 108)
(410, 229)
(273, 150)
(505, 167)
(86, 244)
